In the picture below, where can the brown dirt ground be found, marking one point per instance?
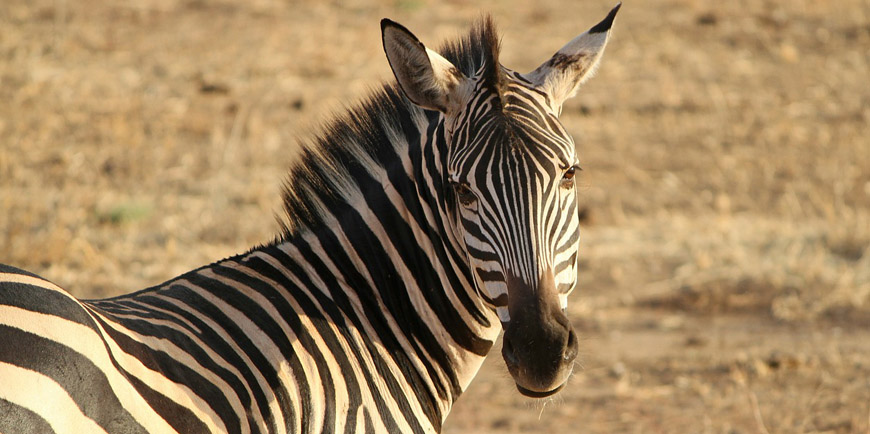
(725, 284)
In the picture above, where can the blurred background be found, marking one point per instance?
(725, 267)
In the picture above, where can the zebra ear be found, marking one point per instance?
(562, 75)
(427, 79)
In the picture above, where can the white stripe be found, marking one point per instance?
(35, 281)
(383, 353)
(285, 374)
(86, 342)
(45, 397)
(217, 358)
(342, 403)
(179, 393)
(306, 359)
(265, 344)
(184, 358)
(503, 314)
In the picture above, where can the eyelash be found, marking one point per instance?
(568, 176)
(464, 194)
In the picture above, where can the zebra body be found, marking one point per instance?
(421, 224)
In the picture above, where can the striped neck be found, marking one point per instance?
(388, 260)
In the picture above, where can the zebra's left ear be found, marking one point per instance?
(562, 75)
(427, 79)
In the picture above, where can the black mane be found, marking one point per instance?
(479, 48)
(336, 158)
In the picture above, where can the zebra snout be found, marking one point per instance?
(539, 345)
(540, 357)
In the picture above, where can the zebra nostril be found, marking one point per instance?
(571, 347)
(508, 353)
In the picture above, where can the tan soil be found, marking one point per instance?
(725, 281)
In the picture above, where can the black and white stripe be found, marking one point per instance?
(410, 221)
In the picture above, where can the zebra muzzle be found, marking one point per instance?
(540, 344)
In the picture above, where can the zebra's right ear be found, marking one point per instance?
(562, 74)
(427, 79)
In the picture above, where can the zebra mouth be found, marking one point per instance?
(534, 394)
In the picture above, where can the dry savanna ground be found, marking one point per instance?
(725, 281)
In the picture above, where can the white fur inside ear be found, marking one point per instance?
(446, 75)
(426, 77)
(561, 76)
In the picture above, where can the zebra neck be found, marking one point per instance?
(382, 275)
(387, 305)
(389, 261)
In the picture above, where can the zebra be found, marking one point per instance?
(419, 225)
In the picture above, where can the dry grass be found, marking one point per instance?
(726, 266)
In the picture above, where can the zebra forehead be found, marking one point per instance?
(518, 140)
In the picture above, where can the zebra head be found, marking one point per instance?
(510, 166)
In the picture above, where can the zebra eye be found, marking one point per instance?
(568, 177)
(464, 194)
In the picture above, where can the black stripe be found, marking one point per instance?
(13, 270)
(427, 165)
(177, 372)
(490, 275)
(185, 343)
(340, 299)
(268, 325)
(367, 419)
(217, 343)
(177, 416)
(393, 292)
(85, 382)
(308, 307)
(197, 303)
(46, 301)
(418, 261)
(480, 254)
(411, 197)
(15, 419)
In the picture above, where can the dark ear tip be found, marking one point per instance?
(607, 22)
(386, 22)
